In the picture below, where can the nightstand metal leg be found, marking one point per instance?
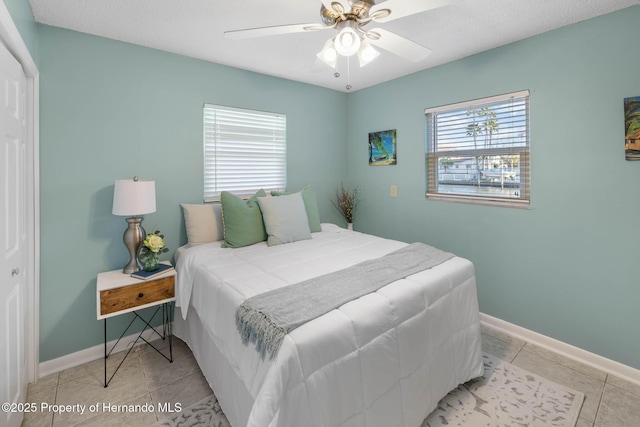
(105, 353)
(166, 332)
(164, 321)
(167, 317)
(108, 353)
(170, 328)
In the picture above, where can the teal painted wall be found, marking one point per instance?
(568, 266)
(565, 268)
(22, 16)
(110, 110)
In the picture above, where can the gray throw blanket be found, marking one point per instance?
(266, 318)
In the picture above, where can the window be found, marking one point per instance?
(478, 151)
(244, 151)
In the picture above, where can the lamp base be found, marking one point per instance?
(133, 237)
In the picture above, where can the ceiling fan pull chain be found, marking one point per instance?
(348, 86)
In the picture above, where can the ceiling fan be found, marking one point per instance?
(350, 17)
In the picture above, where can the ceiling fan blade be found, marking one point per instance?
(394, 9)
(272, 31)
(320, 67)
(398, 45)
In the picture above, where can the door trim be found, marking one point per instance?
(11, 38)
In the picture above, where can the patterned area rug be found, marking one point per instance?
(507, 396)
(504, 396)
(206, 413)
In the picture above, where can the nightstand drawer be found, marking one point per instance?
(126, 297)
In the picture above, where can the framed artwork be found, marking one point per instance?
(632, 128)
(382, 148)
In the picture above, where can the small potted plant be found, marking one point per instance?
(346, 202)
(152, 246)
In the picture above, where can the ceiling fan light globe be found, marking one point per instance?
(347, 42)
(366, 54)
(328, 54)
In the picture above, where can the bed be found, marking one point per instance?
(383, 359)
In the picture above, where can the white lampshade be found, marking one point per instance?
(133, 197)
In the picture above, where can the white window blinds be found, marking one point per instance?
(479, 150)
(244, 151)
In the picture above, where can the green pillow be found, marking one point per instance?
(242, 220)
(310, 205)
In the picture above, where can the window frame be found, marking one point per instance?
(225, 129)
(433, 155)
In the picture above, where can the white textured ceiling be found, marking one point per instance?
(195, 28)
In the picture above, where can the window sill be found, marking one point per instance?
(477, 200)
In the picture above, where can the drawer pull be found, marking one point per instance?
(140, 295)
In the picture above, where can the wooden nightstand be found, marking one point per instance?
(118, 293)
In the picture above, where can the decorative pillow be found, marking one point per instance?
(203, 223)
(242, 220)
(310, 205)
(284, 218)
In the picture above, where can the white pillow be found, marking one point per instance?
(285, 219)
(203, 223)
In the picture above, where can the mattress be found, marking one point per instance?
(384, 359)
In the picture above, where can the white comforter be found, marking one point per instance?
(382, 360)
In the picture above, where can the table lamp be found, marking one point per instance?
(134, 197)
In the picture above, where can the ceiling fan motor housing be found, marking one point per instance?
(358, 10)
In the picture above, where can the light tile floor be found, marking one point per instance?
(609, 401)
(147, 379)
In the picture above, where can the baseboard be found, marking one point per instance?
(92, 353)
(602, 363)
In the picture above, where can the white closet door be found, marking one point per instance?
(13, 236)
